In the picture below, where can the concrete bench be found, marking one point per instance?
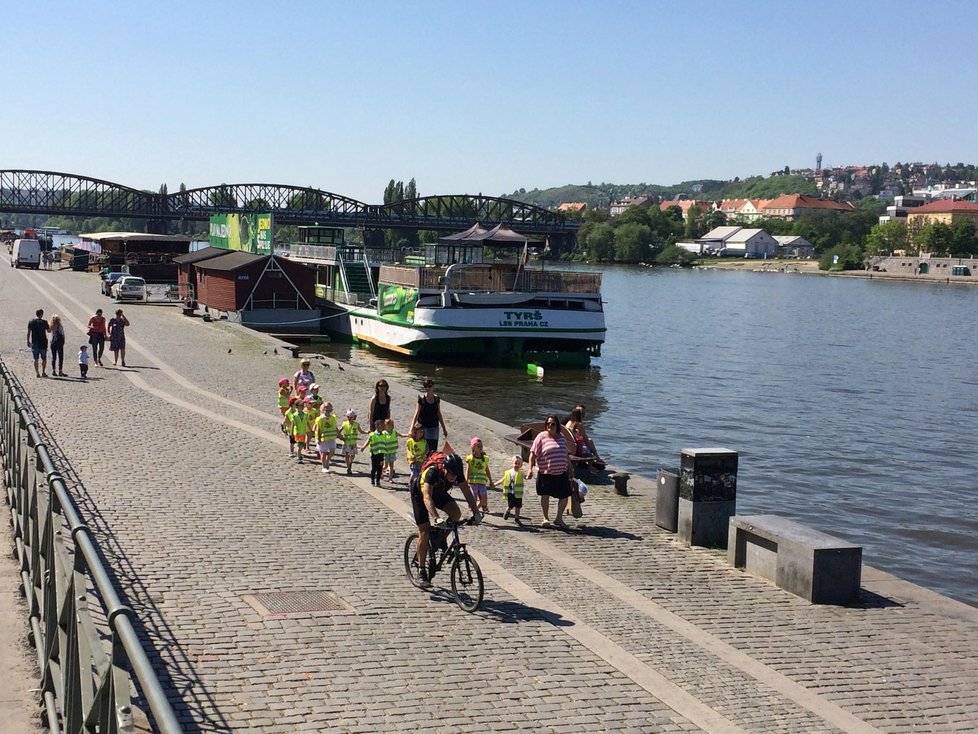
(818, 567)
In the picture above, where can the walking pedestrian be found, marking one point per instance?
(83, 358)
(380, 404)
(549, 453)
(117, 337)
(57, 346)
(37, 340)
(303, 376)
(428, 414)
(97, 333)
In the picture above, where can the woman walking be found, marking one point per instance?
(97, 333)
(380, 404)
(117, 337)
(428, 414)
(57, 346)
(549, 453)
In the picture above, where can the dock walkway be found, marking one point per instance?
(180, 468)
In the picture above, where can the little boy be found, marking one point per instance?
(513, 490)
(83, 361)
(377, 442)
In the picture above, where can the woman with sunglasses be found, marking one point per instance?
(380, 403)
(428, 414)
(549, 452)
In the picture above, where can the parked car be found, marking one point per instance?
(108, 281)
(129, 287)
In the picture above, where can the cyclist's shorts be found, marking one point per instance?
(441, 498)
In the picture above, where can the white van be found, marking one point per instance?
(26, 254)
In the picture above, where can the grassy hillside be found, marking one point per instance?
(600, 195)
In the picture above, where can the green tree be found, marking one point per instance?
(633, 215)
(937, 238)
(842, 257)
(600, 242)
(964, 238)
(884, 238)
(632, 243)
(675, 255)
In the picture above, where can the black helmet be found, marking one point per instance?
(453, 463)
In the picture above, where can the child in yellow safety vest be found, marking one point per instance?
(390, 452)
(325, 430)
(300, 422)
(377, 441)
(477, 474)
(417, 450)
(284, 393)
(513, 490)
(349, 432)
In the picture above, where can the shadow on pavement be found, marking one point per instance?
(504, 612)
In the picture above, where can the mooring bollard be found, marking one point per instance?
(621, 483)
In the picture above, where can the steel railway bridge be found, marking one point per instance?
(53, 193)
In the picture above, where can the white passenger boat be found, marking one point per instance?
(445, 301)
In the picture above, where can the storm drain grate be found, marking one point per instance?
(294, 603)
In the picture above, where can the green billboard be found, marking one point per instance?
(247, 232)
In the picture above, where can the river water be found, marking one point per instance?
(853, 403)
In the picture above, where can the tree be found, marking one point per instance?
(675, 255)
(842, 257)
(600, 242)
(632, 243)
(936, 238)
(633, 215)
(964, 238)
(884, 238)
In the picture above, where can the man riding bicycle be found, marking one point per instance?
(432, 492)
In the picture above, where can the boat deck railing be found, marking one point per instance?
(494, 279)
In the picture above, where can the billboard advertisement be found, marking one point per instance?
(247, 232)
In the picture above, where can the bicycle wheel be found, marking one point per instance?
(467, 586)
(411, 559)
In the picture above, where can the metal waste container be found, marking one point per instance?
(667, 499)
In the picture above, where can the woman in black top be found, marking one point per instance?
(380, 404)
(428, 414)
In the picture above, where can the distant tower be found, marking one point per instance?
(818, 164)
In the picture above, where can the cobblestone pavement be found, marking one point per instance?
(178, 465)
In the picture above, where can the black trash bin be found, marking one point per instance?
(667, 500)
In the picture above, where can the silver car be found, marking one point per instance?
(129, 287)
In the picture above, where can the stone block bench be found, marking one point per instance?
(816, 566)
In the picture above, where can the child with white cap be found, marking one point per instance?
(349, 432)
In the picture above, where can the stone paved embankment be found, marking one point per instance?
(180, 467)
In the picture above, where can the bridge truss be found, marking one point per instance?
(53, 193)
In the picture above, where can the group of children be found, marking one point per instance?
(311, 426)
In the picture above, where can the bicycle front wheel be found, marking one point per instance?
(411, 567)
(467, 585)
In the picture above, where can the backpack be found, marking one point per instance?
(435, 458)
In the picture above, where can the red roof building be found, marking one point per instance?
(793, 206)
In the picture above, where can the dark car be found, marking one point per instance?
(108, 281)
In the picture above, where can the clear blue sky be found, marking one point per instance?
(481, 96)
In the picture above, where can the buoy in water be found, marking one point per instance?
(539, 372)
(531, 369)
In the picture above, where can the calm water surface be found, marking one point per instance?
(853, 403)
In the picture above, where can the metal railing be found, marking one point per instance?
(84, 687)
(488, 278)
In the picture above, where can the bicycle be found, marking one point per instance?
(467, 584)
